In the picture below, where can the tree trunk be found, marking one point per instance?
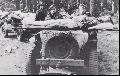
(20, 4)
(116, 5)
(26, 7)
(77, 3)
(92, 7)
(113, 6)
(53, 1)
(17, 2)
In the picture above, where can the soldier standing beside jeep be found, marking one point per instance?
(41, 13)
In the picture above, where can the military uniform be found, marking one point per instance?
(64, 13)
(41, 13)
(55, 15)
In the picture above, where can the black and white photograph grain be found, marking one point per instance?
(59, 37)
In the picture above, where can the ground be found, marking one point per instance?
(13, 56)
(108, 48)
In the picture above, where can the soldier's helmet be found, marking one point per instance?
(40, 4)
(52, 7)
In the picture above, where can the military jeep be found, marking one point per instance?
(62, 49)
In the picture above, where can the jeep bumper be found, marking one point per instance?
(60, 62)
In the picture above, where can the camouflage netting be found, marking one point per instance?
(67, 40)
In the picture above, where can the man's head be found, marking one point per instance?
(52, 9)
(40, 6)
(87, 13)
(62, 10)
(81, 9)
(10, 10)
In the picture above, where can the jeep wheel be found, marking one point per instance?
(93, 62)
(62, 47)
(4, 32)
(31, 67)
(90, 56)
(21, 37)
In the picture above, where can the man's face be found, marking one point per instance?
(41, 7)
(53, 11)
(62, 10)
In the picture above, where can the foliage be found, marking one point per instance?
(6, 5)
(68, 5)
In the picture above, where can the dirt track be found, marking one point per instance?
(108, 47)
(13, 54)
